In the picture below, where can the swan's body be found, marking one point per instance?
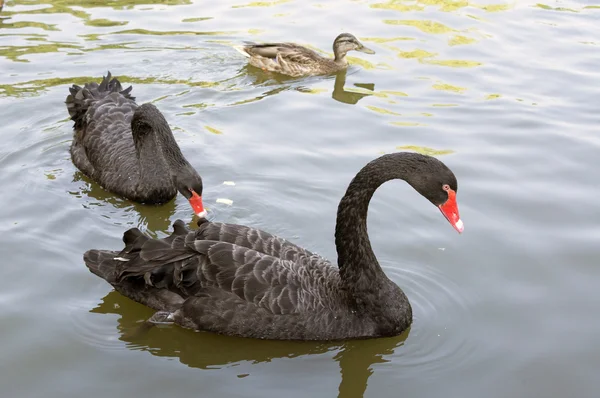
(240, 281)
(128, 149)
(295, 60)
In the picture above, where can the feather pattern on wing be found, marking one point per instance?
(246, 267)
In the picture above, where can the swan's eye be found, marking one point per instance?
(446, 187)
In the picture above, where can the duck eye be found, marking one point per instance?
(446, 187)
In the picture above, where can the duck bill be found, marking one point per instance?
(450, 211)
(365, 50)
(197, 205)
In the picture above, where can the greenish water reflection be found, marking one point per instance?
(208, 350)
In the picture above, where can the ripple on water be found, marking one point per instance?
(440, 314)
(435, 343)
(97, 330)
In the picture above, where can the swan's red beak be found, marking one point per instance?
(450, 211)
(196, 202)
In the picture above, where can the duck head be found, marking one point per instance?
(348, 42)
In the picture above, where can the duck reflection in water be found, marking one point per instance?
(284, 83)
(204, 350)
(349, 97)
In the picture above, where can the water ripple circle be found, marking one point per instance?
(97, 330)
(437, 340)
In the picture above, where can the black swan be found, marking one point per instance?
(240, 281)
(127, 148)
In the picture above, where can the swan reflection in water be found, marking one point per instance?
(151, 218)
(205, 350)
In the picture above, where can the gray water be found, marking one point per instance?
(506, 94)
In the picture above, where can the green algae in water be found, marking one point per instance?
(382, 111)
(459, 40)
(453, 63)
(449, 87)
(213, 130)
(37, 87)
(423, 25)
(261, 4)
(196, 19)
(425, 150)
(105, 23)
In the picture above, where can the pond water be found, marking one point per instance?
(506, 94)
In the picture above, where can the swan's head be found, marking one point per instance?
(189, 184)
(148, 119)
(436, 182)
(347, 42)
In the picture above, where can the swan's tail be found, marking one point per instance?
(141, 255)
(145, 268)
(81, 98)
(108, 264)
(102, 263)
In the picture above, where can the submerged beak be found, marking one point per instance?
(450, 211)
(365, 50)
(196, 203)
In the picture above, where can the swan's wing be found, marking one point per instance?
(219, 311)
(255, 239)
(107, 137)
(184, 264)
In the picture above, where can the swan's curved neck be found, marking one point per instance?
(158, 151)
(153, 167)
(171, 150)
(358, 265)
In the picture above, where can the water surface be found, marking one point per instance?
(504, 93)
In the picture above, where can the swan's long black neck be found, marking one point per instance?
(153, 169)
(358, 265)
(171, 150)
(149, 124)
